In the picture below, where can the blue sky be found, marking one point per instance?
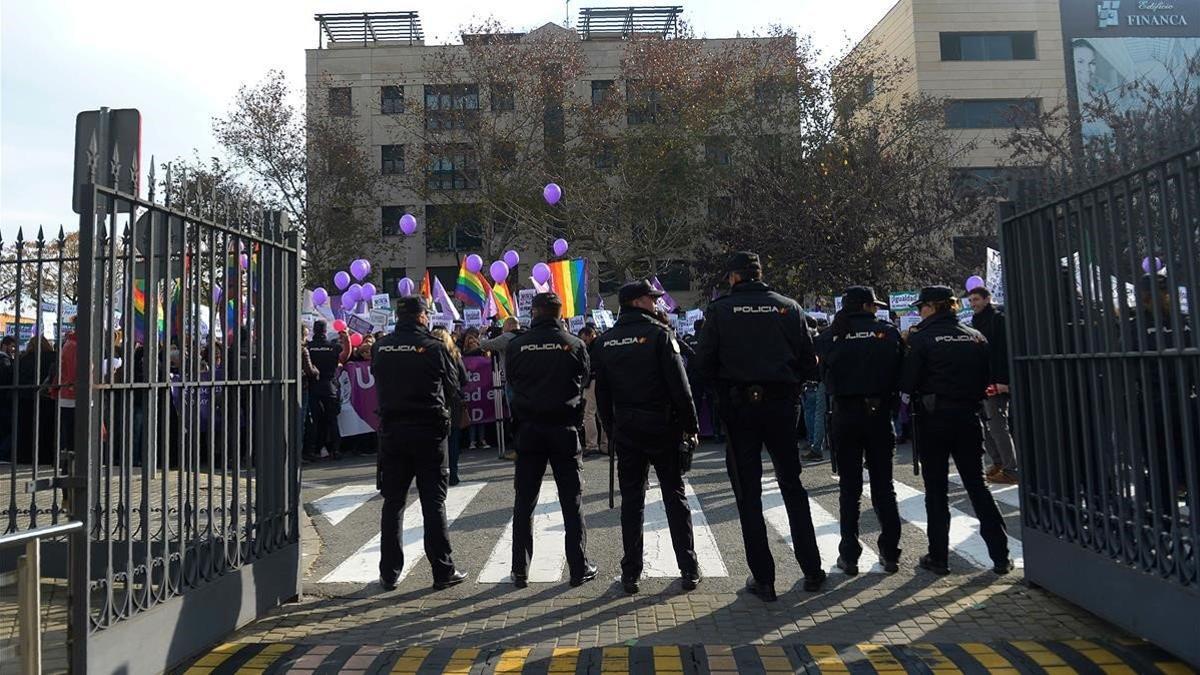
(180, 63)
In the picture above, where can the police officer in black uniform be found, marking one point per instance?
(755, 345)
(548, 369)
(415, 376)
(323, 401)
(646, 406)
(860, 357)
(945, 375)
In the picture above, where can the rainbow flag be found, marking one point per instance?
(472, 288)
(139, 312)
(504, 302)
(569, 279)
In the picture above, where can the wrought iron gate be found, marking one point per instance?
(188, 408)
(1102, 291)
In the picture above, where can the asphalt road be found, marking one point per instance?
(340, 498)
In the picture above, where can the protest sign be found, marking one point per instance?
(360, 400)
(901, 302)
(525, 301)
(381, 301)
(576, 324)
(473, 317)
(909, 321)
(995, 276)
(819, 316)
(883, 315)
(359, 325)
(380, 318)
(481, 394)
(603, 319)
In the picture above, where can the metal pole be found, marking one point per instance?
(29, 607)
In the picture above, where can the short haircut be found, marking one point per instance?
(981, 292)
(8, 340)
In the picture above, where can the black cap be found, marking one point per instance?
(411, 305)
(857, 296)
(934, 294)
(742, 261)
(636, 289)
(546, 301)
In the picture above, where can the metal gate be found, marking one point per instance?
(1105, 371)
(184, 464)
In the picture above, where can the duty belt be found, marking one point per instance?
(757, 393)
(872, 404)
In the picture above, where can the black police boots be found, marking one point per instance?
(630, 584)
(813, 583)
(1002, 568)
(890, 565)
(388, 584)
(938, 567)
(850, 567)
(456, 577)
(589, 573)
(764, 591)
(520, 580)
(689, 580)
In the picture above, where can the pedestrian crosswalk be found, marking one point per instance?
(712, 538)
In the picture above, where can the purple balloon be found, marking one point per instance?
(1146, 265)
(216, 293)
(341, 280)
(355, 291)
(368, 290)
(552, 193)
(474, 263)
(405, 286)
(320, 296)
(245, 261)
(499, 271)
(360, 269)
(560, 247)
(974, 282)
(349, 301)
(512, 258)
(408, 224)
(541, 273)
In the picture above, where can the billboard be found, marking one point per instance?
(1113, 44)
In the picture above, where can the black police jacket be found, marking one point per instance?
(325, 356)
(990, 322)
(948, 359)
(865, 360)
(548, 369)
(755, 336)
(415, 375)
(641, 383)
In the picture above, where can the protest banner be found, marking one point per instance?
(525, 301)
(359, 398)
(995, 276)
(901, 302)
(359, 325)
(481, 394)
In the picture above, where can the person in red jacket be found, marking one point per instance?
(63, 389)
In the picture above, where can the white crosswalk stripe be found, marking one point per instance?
(549, 544)
(965, 540)
(658, 555)
(826, 526)
(343, 501)
(1005, 494)
(363, 565)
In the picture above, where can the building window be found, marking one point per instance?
(992, 113)
(504, 97)
(391, 279)
(452, 227)
(450, 106)
(643, 104)
(389, 219)
(675, 277)
(392, 159)
(504, 155)
(1013, 46)
(716, 151)
(1013, 183)
(339, 102)
(391, 100)
(452, 167)
(605, 157)
(770, 92)
(601, 89)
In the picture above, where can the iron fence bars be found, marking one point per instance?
(190, 487)
(1102, 290)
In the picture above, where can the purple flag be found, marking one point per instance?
(666, 298)
(442, 298)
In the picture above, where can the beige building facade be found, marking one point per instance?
(994, 63)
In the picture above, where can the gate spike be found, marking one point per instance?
(20, 237)
(114, 168)
(150, 179)
(41, 238)
(133, 176)
(92, 151)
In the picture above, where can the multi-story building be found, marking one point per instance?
(994, 64)
(374, 68)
